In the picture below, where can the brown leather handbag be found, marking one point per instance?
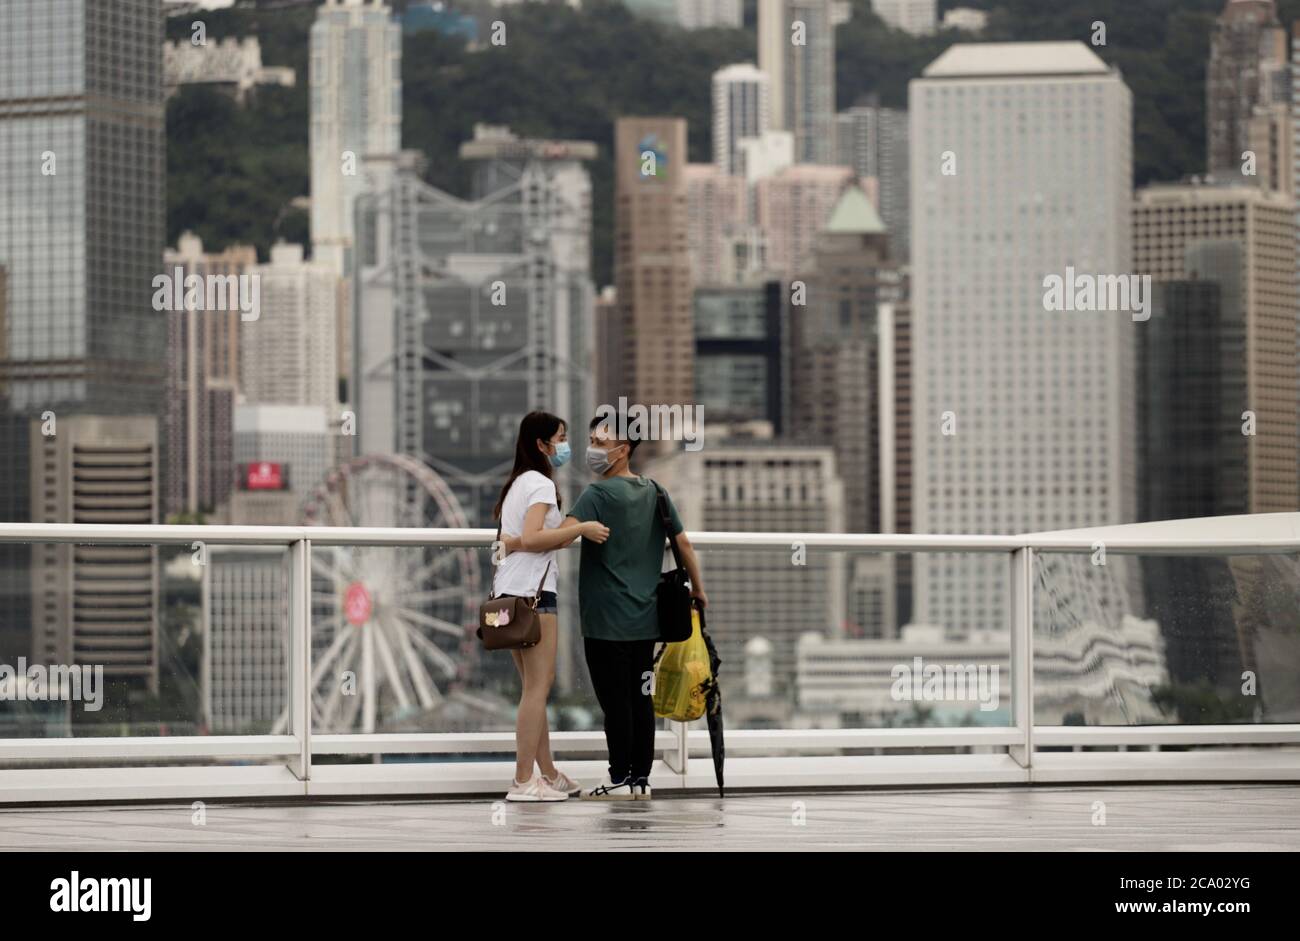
(510, 621)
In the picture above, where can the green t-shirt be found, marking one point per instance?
(617, 579)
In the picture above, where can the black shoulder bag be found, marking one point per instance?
(674, 592)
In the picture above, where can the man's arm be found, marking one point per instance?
(690, 561)
(537, 538)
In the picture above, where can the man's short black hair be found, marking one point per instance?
(612, 422)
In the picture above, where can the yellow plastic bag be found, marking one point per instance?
(682, 676)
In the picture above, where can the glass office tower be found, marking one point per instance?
(81, 236)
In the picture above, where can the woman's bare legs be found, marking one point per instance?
(543, 755)
(536, 666)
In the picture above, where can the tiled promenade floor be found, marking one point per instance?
(1151, 818)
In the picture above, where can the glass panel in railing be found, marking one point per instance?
(836, 639)
(808, 639)
(1161, 639)
(393, 645)
(245, 629)
(140, 640)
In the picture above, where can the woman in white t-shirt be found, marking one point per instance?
(529, 513)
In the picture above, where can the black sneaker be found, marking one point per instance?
(609, 790)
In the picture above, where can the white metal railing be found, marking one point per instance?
(1010, 753)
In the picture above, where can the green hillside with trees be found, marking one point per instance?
(234, 171)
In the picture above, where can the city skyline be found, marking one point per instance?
(857, 296)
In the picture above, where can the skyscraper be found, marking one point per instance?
(758, 484)
(792, 206)
(609, 345)
(81, 180)
(834, 350)
(545, 182)
(1192, 455)
(500, 321)
(836, 362)
(1242, 239)
(4, 302)
(894, 359)
(741, 353)
(652, 265)
(796, 48)
(1247, 67)
(1216, 415)
(1022, 416)
(1191, 388)
(1295, 169)
(1271, 138)
(296, 438)
(356, 112)
(873, 141)
(718, 224)
(202, 384)
(81, 238)
(741, 109)
(287, 355)
(96, 604)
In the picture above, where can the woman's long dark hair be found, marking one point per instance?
(535, 425)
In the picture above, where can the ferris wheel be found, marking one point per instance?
(391, 625)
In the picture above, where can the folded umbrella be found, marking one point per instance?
(713, 706)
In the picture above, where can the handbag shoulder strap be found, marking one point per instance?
(546, 571)
(661, 502)
(495, 564)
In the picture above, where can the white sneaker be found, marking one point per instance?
(607, 790)
(641, 789)
(535, 789)
(562, 782)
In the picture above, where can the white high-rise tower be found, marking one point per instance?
(741, 109)
(287, 353)
(1021, 167)
(356, 112)
(796, 49)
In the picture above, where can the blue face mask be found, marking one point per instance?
(561, 455)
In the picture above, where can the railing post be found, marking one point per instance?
(300, 655)
(1022, 653)
(676, 756)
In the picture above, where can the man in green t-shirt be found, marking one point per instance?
(617, 582)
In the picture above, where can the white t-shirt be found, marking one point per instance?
(519, 572)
